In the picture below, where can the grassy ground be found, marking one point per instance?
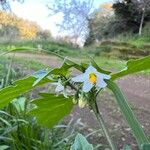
(121, 47)
(29, 64)
(12, 68)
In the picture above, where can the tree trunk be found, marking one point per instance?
(141, 24)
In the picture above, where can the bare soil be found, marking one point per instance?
(137, 90)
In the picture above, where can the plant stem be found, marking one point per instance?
(103, 125)
(9, 71)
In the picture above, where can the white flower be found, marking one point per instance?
(60, 88)
(91, 78)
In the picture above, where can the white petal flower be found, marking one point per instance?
(91, 78)
(79, 78)
(87, 86)
(60, 88)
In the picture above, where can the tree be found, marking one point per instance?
(75, 16)
(5, 5)
(44, 35)
(27, 29)
(9, 33)
(123, 17)
(134, 13)
(98, 22)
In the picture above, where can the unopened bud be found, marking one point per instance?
(75, 101)
(82, 103)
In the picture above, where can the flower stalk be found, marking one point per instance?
(102, 124)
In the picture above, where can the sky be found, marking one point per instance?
(36, 10)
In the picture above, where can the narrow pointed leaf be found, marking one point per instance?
(4, 147)
(94, 64)
(63, 70)
(40, 75)
(133, 66)
(128, 114)
(18, 49)
(70, 62)
(18, 88)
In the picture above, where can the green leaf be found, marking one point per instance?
(4, 147)
(94, 64)
(63, 70)
(50, 109)
(40, 75)
(133, 66)
(19, 104)
(44, 73)
(19, 49)
(128, 114)
(2, 120)
(17, 89)
(127, 147)
(81, 143)
(146, 147)
(69, 62)
(66, 60)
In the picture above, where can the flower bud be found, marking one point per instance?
(74, 100)
(82, 102)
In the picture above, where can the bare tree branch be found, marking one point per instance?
(75, 16)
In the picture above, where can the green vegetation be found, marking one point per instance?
(18, 129)
(52, 104)
(17, 126)
(50, 46)
(32, 109)
(123, 46)
(20, 65)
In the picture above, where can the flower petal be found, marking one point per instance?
(103, 76)
(101, 83)
(59, 88)
(90, 69)
(100, 80)
(54, 83)
(87, 86)
(65, 93)
(79, 78)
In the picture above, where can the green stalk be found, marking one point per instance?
(103, 125)
(9, 71)
(129, 115)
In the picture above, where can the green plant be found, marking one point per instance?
(21, 131)
(36, 45)
(18, 130)
(84, 91)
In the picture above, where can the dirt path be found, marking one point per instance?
(137, 90)
(135, 87)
